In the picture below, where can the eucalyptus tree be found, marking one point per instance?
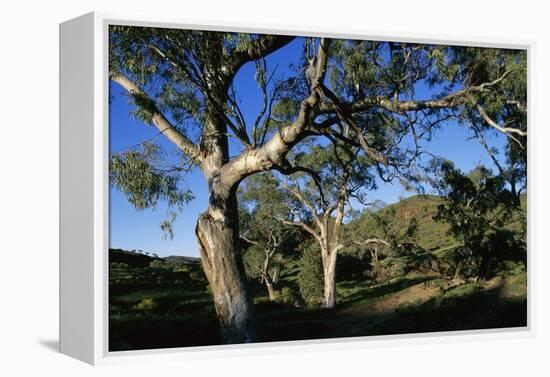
(184, 83)
(378, 233)
(270, 243)
(320, 195)
(476, 206)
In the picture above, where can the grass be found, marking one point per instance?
(180, 317)
(162, 308)
(446, 251)
(176, 317)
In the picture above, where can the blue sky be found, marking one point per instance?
(132, 229)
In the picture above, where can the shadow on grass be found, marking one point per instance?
(457, 309)
(481, 309)
(466, 307)
(177, 317)
(134, 332)
(380, 290)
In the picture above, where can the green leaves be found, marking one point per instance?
(443, 68)
(310, 276)
(134, 174)
(474, 204)
(285, 109)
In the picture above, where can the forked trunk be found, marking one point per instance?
(329, 272)
(218, 236)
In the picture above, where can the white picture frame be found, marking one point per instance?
(84, 192)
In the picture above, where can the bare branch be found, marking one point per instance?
(295, 190)
(483, 142)
(242, 236)
(449, 101)
(273, 152)
(370, 241)
(189, 71)
(157, 118)
(346, 117)
(505, 130)
(289, 170)
(301, 224)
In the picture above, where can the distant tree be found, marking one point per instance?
(269, 241)
(319, 196)
(476, 206)
(382, 236)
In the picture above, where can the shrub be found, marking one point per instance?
(287, 296)
(310, 278)
(157, 263)
(182, 268)
(509, 268)
(392, 268)
(147, 304)
(198, 276)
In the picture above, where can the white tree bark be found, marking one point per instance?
(329, 278)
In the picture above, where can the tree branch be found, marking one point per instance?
(449, 101)
(505, 130)
(344, 115)
(255, 49)
(273, 152)
(243, 237)
(303, 225)
(289, 170)
(483, 142)
(294, 190)
(157, 118)
(369, 241)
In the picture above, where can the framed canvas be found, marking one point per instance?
(235, 188)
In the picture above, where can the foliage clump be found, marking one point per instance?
(157, 264)
(310, 276)
(134, 173)
(287, 296)
(476, 206)
(146, 305)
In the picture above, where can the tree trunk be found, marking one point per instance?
(329, 272)
(270, 290)
(218, 237)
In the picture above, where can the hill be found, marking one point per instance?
(137, 258)
(130, 258)
(431, 235)
(135, 266)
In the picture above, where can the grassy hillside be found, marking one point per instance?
(159, 302)
(176, 314)
(431, 235)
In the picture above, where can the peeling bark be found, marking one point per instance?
(219, 245)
